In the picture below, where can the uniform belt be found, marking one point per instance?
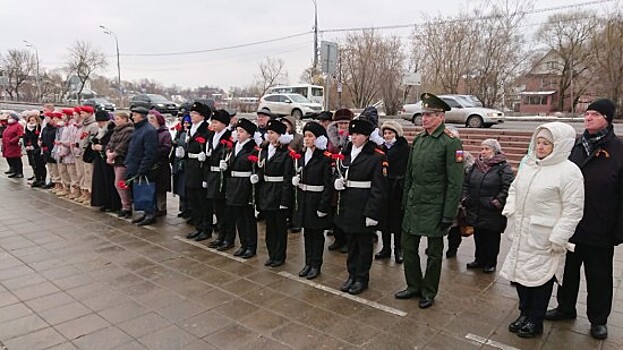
(193, 155)
(215, 169)
(358, 184)
(273, 178)
(241, 174)
(311, 188)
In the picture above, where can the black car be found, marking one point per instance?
(101, 103)
(206, 101)
(153, 101)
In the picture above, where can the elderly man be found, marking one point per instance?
(599, 154)
(433, 182)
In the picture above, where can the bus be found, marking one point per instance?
(314, 93)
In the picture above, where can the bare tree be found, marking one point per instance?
(272, 73)
(18, 66)
(392, 68)
(83, 61)
(568, 35)
(607, 49)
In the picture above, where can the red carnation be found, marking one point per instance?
(201, 140)
(45, 149)
(230, 144)
(84, 135)
(122, 185)
(339, 156)
(253, 158)
(295, 155)
(37, 132)
(342, 132)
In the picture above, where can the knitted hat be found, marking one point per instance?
(393, 126)
(14, 115)
(102, 116)
(546, 134)
(494, 144)
(371, 114)
(605, 107)
(159, 117)
(315, 128)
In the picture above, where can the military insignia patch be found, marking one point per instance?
(458, 156)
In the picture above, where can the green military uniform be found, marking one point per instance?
(433, 182)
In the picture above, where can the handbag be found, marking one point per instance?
(465, 230)
(144, 194)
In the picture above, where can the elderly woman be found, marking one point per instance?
(104, 193)
(11, 148)
(162, 165)
(116, 151)
(544, 205)
(33, 149)
(484, 194)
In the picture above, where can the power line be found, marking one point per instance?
(180, 53)
(479, 18)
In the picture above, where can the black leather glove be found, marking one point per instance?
(446, 224)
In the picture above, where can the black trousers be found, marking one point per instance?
(244, 221)
(487, 246)
(338, 234)
(225, 220)
(454, 238)
(16, 165)
(201, 213)
(35, 159)
(533, 301)
(314, 247)
(276, 234)
(393, 225)
(359, 260)
(598, 271)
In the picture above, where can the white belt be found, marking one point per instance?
(358, 184)
(311, 188)
(215, 169)
(241, 174)
(193, 155)
(273, 178)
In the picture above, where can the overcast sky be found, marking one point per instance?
(161, 26)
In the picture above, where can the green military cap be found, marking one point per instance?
(432, 103)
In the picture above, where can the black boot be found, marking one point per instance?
(398, 256)
(148, 220)
(138, 219)
(385, 253)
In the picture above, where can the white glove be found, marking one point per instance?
(254, 179)
(257, 137)
(370, 222)
(283, 207)
(201, 157)
(296, 180)
(338, 184)
(204, 184)
(222, 165)
(557, 248)
(321, 214)
(179, 152)
(376, 137)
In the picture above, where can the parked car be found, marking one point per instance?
(462, 112)
(206, 101)
(289, 104)
(153, 101)
(101, 103)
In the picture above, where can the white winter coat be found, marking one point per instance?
(544, 205)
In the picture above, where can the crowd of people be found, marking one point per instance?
(351, 177)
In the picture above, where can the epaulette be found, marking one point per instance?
(378, 151)
(449, 133)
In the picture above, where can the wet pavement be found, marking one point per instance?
(72, 277)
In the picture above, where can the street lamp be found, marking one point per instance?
(114, 35)
(38, 77)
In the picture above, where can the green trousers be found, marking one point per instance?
(428, 283)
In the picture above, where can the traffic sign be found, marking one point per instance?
(411, 78)
(328, 56)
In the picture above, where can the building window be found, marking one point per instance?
(535, 100)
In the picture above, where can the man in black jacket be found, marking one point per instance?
(599, 154)
(142, 156)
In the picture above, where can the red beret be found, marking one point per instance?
(77, 109)
(48, 114)
(87, 109)
(68, 111)
(57, 114)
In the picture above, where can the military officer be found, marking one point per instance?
(195, 158)
(362, 190)
(433, 182)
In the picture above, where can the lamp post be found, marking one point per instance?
(315, 37)
(38, 77)
(114, 35)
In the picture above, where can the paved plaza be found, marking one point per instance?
(72, 277)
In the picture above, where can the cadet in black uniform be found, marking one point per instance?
(276, 193)
(314, 182)
(239, 190)
(362, 190)
(195, 158)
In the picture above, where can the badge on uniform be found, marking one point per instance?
(458, 156)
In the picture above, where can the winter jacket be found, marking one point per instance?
(297, 142)
(397, 157)
(602, 223)
(196, 144)
(11, 136)
(484, 195)
(142, 150)
(66, 136)
(337, 140)
(162, 171)
(238, 188)
(119, 142)
(214, 177)
(31, 137)
(544, 206)
(275, 194)
(355, 204)
(433, 183)
(317, 172)
(48, 135)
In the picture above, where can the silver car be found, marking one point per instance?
(289, 104)
(462, 112)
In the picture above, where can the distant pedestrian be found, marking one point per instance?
(11, 145)
(116, 152)
(162, 166)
